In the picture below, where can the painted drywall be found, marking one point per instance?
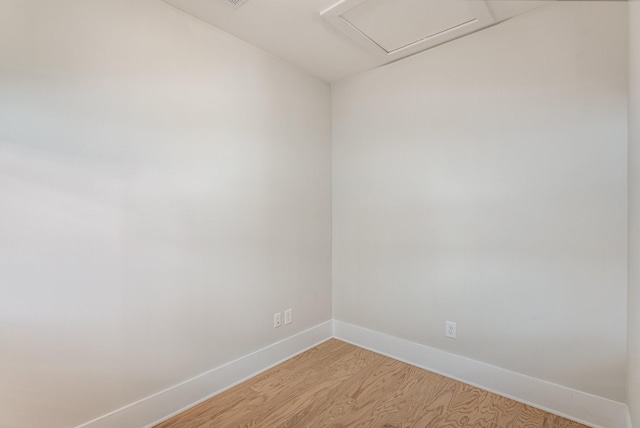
(165, 189)
(633, 346)
(484, 182)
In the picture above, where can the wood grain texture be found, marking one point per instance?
(340, 385)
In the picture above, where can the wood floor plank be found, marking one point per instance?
(326, 387)
(554, 421)
(529, 417)
(340, 385)
(315, 386)
(253, 395)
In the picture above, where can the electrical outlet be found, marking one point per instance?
(288, 316)
(277, 320)
(450, 329)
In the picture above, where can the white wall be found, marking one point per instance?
(165, 188)
(484, 182)
(633, 376)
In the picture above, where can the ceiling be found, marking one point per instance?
(295, 30)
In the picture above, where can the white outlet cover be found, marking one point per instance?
(288, 316)
(277, 320)
(450, 329)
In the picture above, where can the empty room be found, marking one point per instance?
(319, 213)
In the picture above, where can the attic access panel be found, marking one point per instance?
(394, 29)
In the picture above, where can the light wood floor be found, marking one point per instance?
(340, 385)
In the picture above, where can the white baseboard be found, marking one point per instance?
(161, 406)
(579, 406)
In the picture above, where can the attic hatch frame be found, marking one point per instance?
(334, 15)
